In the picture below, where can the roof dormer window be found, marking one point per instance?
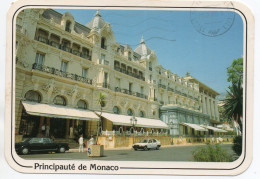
(68, 26)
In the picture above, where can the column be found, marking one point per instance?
(216, 110)
(40, 126)
(67, 128)
(208, 106)
(204, 110)
(212, 108)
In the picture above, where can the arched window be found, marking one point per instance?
(82, 104)
(141, 114)
(33, 96)
(130, 112)
(59, 100)
(116, 110)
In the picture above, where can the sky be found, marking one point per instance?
(182, 40)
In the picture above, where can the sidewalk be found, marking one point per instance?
(130, 148)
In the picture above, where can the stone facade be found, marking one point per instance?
(62, 60)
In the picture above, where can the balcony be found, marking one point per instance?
(161, 86)
(43, 39)
(60, 73)
(125, 91)
(63, 47)
(170, 89)
(150, 68)
(104, 85)
(135, 75)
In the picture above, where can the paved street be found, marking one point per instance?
(170, 153)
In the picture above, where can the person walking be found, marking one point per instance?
(81, 144)
(47, 131)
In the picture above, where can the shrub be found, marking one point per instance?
(237, 145)
(212, 153)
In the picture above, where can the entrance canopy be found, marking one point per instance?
(214, 129)
(194, 126)
(124, 120)
(56, 111)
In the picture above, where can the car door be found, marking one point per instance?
(36, 144)
(48, 145)
(154, 143)
(150, 144)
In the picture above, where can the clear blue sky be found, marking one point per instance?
(178, 45)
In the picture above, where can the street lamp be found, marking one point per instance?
(133, 121)
(170, 124)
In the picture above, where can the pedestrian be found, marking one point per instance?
(91, 141)
(43, 129)
(47, 131)
(212, 140)
(81, 143)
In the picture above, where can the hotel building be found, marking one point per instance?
(62, 67)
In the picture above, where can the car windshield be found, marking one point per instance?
(145, 141)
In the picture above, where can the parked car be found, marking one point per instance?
(147, 144)
(40, 144)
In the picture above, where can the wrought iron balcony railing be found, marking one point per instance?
(60, 73)
(135, 75)
(129, 92)
(63, 47)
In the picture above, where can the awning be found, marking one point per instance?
(56, 111)
(194, 126)
(214, 129)
(124, 120)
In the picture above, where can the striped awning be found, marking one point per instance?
(194, 126)
(124, 120)
(56, 111)
(214, 129)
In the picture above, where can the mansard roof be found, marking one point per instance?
(142, 49)
(97, 22)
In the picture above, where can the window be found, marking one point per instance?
(130, 86)
(142, 90)
(105, 77)
(102, 59)
(64, 65)
(67, 28)
(130, 112)
(116, 110)
(33, 96)
(59, 100)
(39, 58)
(150, 66)
(82, 104)
(141, 114)
(103, 43)
(84, 72)
(151, 78)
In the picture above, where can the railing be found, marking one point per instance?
(170, 89)
(43, 39)
(60, 73)
(104, 85)
(63, 47)
(104, 47)
(150, 68)
(161, 86)
(125, 91)
(136, 133)
(161, 102)
(135, 75)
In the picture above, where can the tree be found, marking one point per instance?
(101, 102)
(233, 104)
(235, 71)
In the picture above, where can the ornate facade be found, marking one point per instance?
(62, 62)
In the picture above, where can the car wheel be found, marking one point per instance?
(61, 149)
(145, 148)
(135, 149)
(157, 148)
(25, 151)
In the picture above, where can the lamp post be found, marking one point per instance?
(133, 121)
(170, 124)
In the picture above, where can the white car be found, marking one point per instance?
(147, 144)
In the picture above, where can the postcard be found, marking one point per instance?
(144, 87)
